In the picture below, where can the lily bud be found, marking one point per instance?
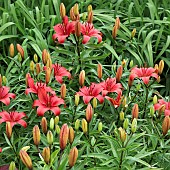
(26, 78)
(89, 8)
(38, 68)
(155, 99)
(161, 67)
(99, 71)
(77, 29)
(25, 148)
(123, 63)
(0, 81)
(26, 159)
(57, 129)
(52, 123)
(19, 57)
(121, 115)
(44, 125)
(152, 111)
(84, 17)
(8, 130)
(32, 66)
(62, 10)
(122, 134)
(124, 102)
(82, 78)
(158, 79)
(72, 16)
(89, 113)
(56, 120)
(64, 134)
(73, 155)
(100, 127)
(117, 22)
(35, 58)
(46, 155)
(130, 82)
(138, 86)
(84, 125)
(71, 135)
(161, 110)
(44, 56)
(11, 50)
(36, 135)
(20, 50)
(133, 33)
(131, 64)
(48, 75)
(12, 166)
(135, 111)
(49, 63)
(114, 32)
(156, 67)
(90, 17)
(126, 123)
(94, 102)
(63, 91)
(77, 124)
(134, 125)
(77, 99)
(50, 137)
(76, 9)
(119, 74)
(165, 125)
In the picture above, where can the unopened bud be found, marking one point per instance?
(117, 22)
(72, 16)
(130, 82)
(50, 137)
(114, 32)
(12, 166)
(48, 74)
(25, 148)
(38, 68)
(8, 130)
(45, 56)
(0, 81)
(131, 64)
(152, 111)
(126, 123)
(89, 113)
(119, 74)
(165, 125)
(99, 71)
(90, 17)
(11, 50)
(135, 111)
(76, 9)
(44, 125)
(46, 155)
(35, 58)
(84, 17)
(73, 155)
(62, 10)
(89, 8)
(36, 135)
(138, 86)
(27, 79)
(26, 159)
(19, 57)
(56, 120)
(77, 29)
(84, 125)
(52, 123)
(71, 135)
(156, 67)
(124, 102)
(122, 134)
(121, 115)
(4, 80)
(94, 102)
(161, 110)
(32, 66)
(20, 50)
(134, 125)
(100, 127)
(49, 63)
(64, 134)
(133, 33)
(82, 78)
(77, 124)
(155, 99)
(158, 79)
(161, 67)
(63, 91)
(77, 99)
(57, 129)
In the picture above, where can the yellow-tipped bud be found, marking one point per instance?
(45, 56)
(133, 33)
(117, 22)
(57, 129)
(131, 64)
(73, 155)
(84, 125)
(165, 125)
(56, 120)
(35, 58)
(72, 16)
(32, 66)
(36, 135)
(152, 111)
(122, 133)
(77, 99)
(38, 68)
(121, 115)
(12, 166)
(11, 50)
(135, 111)
(77, 124)
(63, 91)
(62, 10)
(123, 63)
(155, 99)
(90, 17)
(82, 78)
(64, 134)
(71, 135)
(77, 29)
(76, 9)
(0, 81)
(26, 159)
(49, 63)
(100, 127)
(46, 155)
(89, 8)
(25, 148)
(158, 79)
(124, 102)
(50, 137)
(8, 130)
(161, 110)
(89, 113)
(134, 125)
(47, 75)
(99, 71)
(20, 50)
(4, 80)
(52, 123)
(44, 125)
(119, 74)
(161, 67)
(156, 67)
(94, 102)
(126, 123)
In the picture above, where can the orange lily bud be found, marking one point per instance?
(49, 63)
(26, 159)
(73, 155)
(72, 16)
(82, 78)
(11, 50)
(50, 137)
(77, 29)
(32, 66)
(99, 71)
(89, 113)
(133, 33)
(64, 134)
(63, 91)
(117, 22)
(0, 81)
(76, 9)
(165, 125)
(122, 134)
(161, 66)
(38, 68)
(130, 82)
(46, 155)
(35, 58)
(161, 110)
(119, 74)
(48, 74)
(84, 125)
(77, 99)
(26, 79)
(45, 56)
(135, 111)
(20, 50)
(8, 130)
(90, 17)
(71, 135)
(156, 67)
(89, 9)
(62, 10)
(94, 102)
(114, 32)
(36, 135)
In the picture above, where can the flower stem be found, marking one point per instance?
(61, 154)
(146, 100)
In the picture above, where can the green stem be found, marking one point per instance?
(146, 100)
(61, 154)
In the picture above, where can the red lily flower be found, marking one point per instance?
(143, 73)
(110, 85)
(88, 31)
(0, 150)
(90, 92)
(33, 88)
(167, 106)
(60, 72)
(116, 102)
(63, 30)
(5, 96)
(47, 102)
(13, 117)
